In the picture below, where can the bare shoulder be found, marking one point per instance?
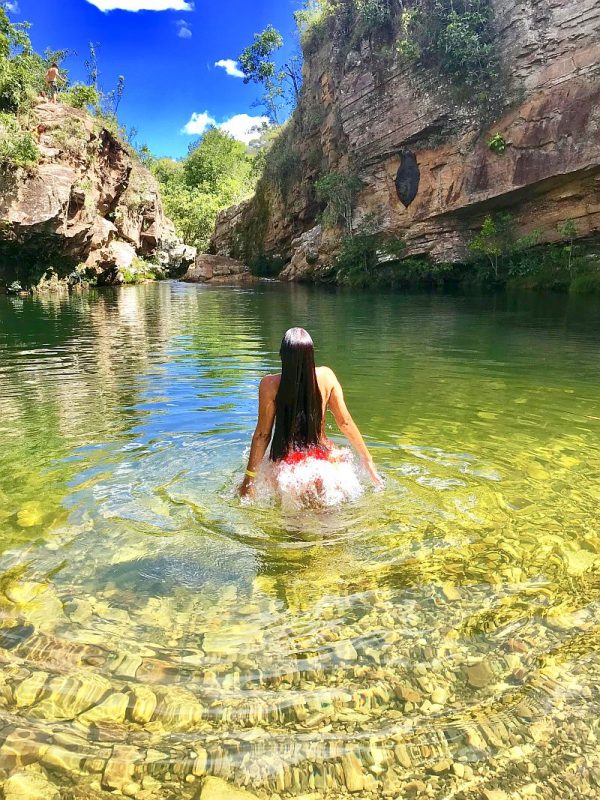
(327, 377)
(327, 374)
(269, 386)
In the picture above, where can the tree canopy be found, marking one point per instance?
(217, 172)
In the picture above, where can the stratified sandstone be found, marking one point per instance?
(371, 110)
(217, 269)
(88, 204)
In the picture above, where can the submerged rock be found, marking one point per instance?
(218, 789)
(29, 786)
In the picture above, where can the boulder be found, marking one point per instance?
(109, 262)
(217, 269)
(29, 786)
(218, 789)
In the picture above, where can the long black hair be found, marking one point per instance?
(299, 405)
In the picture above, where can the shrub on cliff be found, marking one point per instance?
(21, 70)
(352, 19)
(455, 37)
(17, 148)
(339, 191)
(81, 95)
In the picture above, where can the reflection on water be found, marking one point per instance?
(438, 639)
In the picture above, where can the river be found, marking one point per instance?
(437, 639)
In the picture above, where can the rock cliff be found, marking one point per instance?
(89, 210)
(217, 269)
(366, 111)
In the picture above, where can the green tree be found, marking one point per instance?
(215, 159)
(21, 70)
(280, 83)
(568, 232)
(216, 173)
(493, 240)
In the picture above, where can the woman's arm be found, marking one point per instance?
(349, 428)
(262, 434)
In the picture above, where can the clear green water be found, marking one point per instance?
(439, 639)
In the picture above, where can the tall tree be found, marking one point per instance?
(282, 83)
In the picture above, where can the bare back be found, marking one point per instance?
(329, 387)
(333, 399)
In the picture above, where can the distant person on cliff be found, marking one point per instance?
(53, 78)
(304, 465)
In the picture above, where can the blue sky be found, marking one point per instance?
(167, 56)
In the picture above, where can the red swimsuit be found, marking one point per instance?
(298, 456)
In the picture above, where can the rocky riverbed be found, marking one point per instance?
(381, 701)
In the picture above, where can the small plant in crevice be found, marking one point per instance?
(17, 147)
(568, 233)
(498, 144)
(338, 191)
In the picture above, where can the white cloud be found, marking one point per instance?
(242, 127)
(12, 6)
(231, 67)
(183, 29)
(198, 123)
(143, 5)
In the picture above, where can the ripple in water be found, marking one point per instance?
(439, 638)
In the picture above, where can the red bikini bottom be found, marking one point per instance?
(299, 456)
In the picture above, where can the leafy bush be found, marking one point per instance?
(456, 37)
(587, 283)
(355, 17)
(17, 147)
(80, 95)
(315, 19)
(339, 191)
(372, 14)
(357, 259)
(497, 245)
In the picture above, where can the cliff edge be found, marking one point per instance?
(404, 130)
(87, 211)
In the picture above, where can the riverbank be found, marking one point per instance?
(558, 267)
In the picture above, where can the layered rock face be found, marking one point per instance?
(217, 269)
(375, 111)
(89, 208)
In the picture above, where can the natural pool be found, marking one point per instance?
(439, 639)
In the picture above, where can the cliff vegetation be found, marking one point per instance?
(432, 141)
(77, 206)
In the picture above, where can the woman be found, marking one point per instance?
(296, 402)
